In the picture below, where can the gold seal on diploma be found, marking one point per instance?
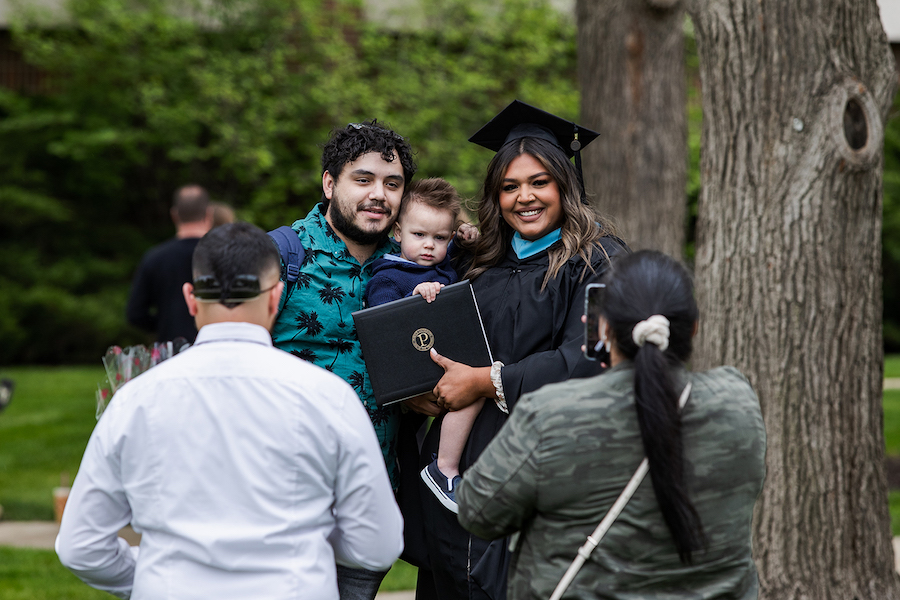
(422, 339)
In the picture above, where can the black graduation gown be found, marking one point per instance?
(538, 336)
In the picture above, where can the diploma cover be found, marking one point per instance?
(396, 338)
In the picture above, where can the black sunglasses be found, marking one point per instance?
(242, 289)
(393, 134)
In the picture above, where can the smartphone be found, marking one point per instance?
(592, 300)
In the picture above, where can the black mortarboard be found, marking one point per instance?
(520, 120)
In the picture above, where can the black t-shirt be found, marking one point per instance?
(156, 302)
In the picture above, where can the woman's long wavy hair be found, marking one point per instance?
(644, 284)
(580, 232)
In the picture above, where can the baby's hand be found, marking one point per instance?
(428, 290)
(467, 232)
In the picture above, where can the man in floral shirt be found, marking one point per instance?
(365, 169)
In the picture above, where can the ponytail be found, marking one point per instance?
(656, 401)
(649, 304)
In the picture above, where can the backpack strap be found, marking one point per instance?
(292, 254)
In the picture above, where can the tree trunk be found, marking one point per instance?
(631, 69)
(795, 93)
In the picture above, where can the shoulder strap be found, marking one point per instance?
(292, 253)
(594, 539)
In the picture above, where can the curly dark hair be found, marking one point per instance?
(349, 143)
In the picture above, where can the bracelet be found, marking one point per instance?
(498, 386)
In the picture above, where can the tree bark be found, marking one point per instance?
(631, 69)
(795, 93)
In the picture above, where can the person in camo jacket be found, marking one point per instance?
(569, 449)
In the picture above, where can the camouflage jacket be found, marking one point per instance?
(567, 452)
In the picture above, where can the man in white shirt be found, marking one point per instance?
(249, 472)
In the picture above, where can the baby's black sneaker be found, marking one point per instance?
(441, 487)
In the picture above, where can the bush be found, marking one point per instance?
(142, 96)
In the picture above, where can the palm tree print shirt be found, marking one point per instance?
(315, 322)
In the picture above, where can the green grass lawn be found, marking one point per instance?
(894, 504)
(892, 365)
(37, 575)
(43, 434)
(891, 404)
(892, 432)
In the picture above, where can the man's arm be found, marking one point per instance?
(88, 542)
(369, 528)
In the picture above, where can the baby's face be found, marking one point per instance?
(424, 233)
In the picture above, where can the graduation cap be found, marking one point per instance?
(520, 120)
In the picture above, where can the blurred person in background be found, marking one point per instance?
(222, 214)
(156, 303)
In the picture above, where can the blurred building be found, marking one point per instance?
(890, 20)
(393, 14)
(17, 75)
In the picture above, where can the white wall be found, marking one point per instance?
(890, 19)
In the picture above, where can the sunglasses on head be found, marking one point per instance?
(243, 288)
(394, 135)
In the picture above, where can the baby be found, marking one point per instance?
(424, 228)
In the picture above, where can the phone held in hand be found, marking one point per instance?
(593, 348)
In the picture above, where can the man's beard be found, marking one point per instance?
(346, 224)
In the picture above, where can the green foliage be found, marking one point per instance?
(440, 84)
(142, 96)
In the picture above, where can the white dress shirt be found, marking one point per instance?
(248, 471)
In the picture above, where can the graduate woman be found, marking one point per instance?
(540, 245)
